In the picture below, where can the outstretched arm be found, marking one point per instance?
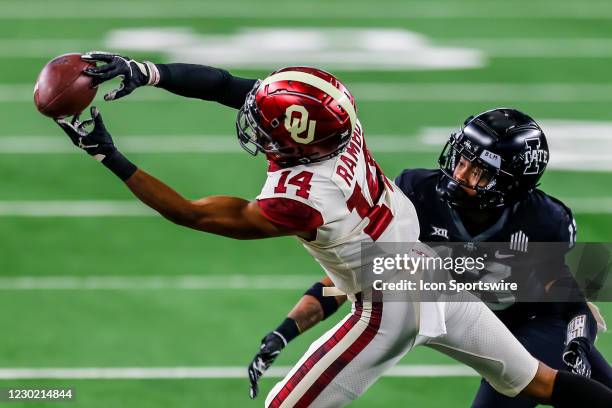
(228, 216)
(311, 309)
(204, 82)
(221, 215)
(188, 80)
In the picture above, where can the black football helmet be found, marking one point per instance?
(510, 148)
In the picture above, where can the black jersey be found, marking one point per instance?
(537, 218)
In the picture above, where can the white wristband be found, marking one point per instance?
(576, 328)
(153, 73)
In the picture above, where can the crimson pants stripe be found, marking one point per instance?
(315, 357)
(346, 357)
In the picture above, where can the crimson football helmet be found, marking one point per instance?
(297, 115)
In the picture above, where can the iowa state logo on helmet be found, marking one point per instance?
(536, 158)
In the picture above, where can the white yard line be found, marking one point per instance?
(95, 373)
(78, 208)
(181, 282)
(406, 92)
(535, 47)
(65, 9)
(187, 144)
(494, 48)
(575, 145)
(101, 208)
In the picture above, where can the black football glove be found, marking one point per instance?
(97, 142)
(270, 348)
(575, 358)
(134, 73)
(581, 332)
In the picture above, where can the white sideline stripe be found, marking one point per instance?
(94, 373)
(493, 92)
(217, 9)
(182, 282)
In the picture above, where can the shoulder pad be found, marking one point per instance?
(412, 180)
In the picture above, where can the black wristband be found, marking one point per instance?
(120, 165)
(288, 329)
(328, 303)
(164, 74)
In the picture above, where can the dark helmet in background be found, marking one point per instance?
(510, 148)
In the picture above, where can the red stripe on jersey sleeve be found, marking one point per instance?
(290, 213)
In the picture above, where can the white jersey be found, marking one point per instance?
(356, 202)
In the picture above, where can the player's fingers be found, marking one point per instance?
(121, 92)
(111, 95)
(97, 79)
(75, 120)
(96, 116)
(97, 71)
(124, 89)
(65, 125)
(98, 56)
(253, 387)
(69, 130)
(85, 124)
(253, 391)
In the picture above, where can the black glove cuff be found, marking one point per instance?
(288, 330)
(120, 165)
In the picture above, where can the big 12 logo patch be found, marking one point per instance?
(534, 156)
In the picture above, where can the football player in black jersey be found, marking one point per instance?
(485, 191)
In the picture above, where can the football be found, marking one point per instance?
(62, 89)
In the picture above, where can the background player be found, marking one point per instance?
(345, 361)
(474, 197)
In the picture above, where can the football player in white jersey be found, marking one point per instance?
(324, 187)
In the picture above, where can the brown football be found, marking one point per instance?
(62, 89)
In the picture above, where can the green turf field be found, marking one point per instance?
(552, 59)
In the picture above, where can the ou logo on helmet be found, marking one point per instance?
(298, 124)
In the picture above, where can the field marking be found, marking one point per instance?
(539, 48)
(187, 144)
(76, 208)
(335, 48)
(181, 282)
(39, 10)
(124, 373)
(129, 208)
(493, 92)
(575, 145)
